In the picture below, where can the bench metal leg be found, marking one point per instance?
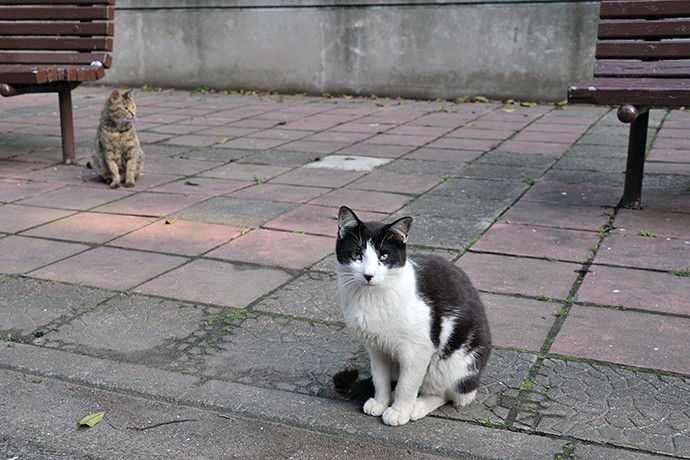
(67, 126)
(634, 171)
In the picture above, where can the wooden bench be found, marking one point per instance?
(642, 61)
(53, 46)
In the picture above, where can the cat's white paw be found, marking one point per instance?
(394, 417)
(419, 411)
(373, 407)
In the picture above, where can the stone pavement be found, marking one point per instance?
(198, 309)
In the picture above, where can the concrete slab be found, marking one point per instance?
(237, 212)
(348, 163)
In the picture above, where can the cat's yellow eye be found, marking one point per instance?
(356, 255)
(383, 256)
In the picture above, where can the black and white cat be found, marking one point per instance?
(419, 318)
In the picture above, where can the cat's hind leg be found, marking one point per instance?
(425, 405)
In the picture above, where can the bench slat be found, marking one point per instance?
(58, 28)
(630, 49)
(57, 43)
(57, 13)
(42, 59)
(644, 9)
(672, 28)
(667, 92)
(630, 69)
(58, 2)
(27, 74)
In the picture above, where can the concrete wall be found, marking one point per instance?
(408, 48)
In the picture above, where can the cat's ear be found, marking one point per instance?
(347, 220)
(115, 95)
(127, 94)
(401, 228)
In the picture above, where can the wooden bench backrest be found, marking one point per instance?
(44, 32)
(642, 38)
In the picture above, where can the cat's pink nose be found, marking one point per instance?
(368, 278)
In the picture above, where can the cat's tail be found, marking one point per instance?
(346, 383)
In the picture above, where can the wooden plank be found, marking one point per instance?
(58, 28)
(53, 13)
(55, 58)
(612, 9)
(660, 69)
(57, 43)
(637, 91)
(672, 28)
(27, 74)
(630, 49)
(58, 2)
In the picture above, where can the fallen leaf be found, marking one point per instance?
(508, 109)
(170, 221)
(91, 420)
(223, 140)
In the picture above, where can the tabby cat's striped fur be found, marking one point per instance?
(118, 156)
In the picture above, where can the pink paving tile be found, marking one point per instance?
(20, 169)
(179, 237)
(659, 223)
(281, 192)
(359, 127)
(77, 197)
(516, 275)
(276, 133)
(458, 143)
(654, 291)
(202, 186)
(194, 140)
(89, 227)
(626, 249)
(517, 322)
(671, 142)
(557, 215)
(638, 339)
(338, 136)
(679, 169)
(246, 172)
(452, 155)
(533, 241)
(544, 136)
(412, 130)
(363, 200)
(316, 220)
(252, 143)
(384, 181)
(151, 204)
(276, 248)
(469, 132)
(399, 139)
(315, 146)
(13, 190)
(15, 218)
(19, 254)
(109, 268)
(71, 174)
(216, 282)
(320, 178)
(178, 166)
(666, 201)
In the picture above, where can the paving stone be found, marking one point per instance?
(322, 178)
(376, 150)
(446, 155)
(281, 192)
(150, 204)
(516, 275)
(13, 189)
(202, 186)
(363, 200)
(31, 308)
(585, 195)
(17, 218)
(19, 254)
(384, 181)
(557, 215)
(520, 323)
(313, 295)
(315, 220)
(109, 268)
(89, 197)
(507, 172)
(238, 212)
(276, 248)
(533, 241)
(660, 223)
(177, 236)
(443, 169)
(282, 158)
(643, 289)
(461, 188)
(443, 232)
(215, 282)
(246, 172)
(90, 227)
(131, 328)
(606, 404)
(627, 249)
(469, 209)
(274, 352)
(348, 163)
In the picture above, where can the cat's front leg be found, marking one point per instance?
(381, 377)
(132, 167)
(412, 371)
(112, 163)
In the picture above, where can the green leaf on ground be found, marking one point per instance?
(91, 420)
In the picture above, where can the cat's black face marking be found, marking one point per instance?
(386, 240)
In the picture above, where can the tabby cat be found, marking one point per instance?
(117, 152)
(419, 318)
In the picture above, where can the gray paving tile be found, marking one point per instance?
(238, 212)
